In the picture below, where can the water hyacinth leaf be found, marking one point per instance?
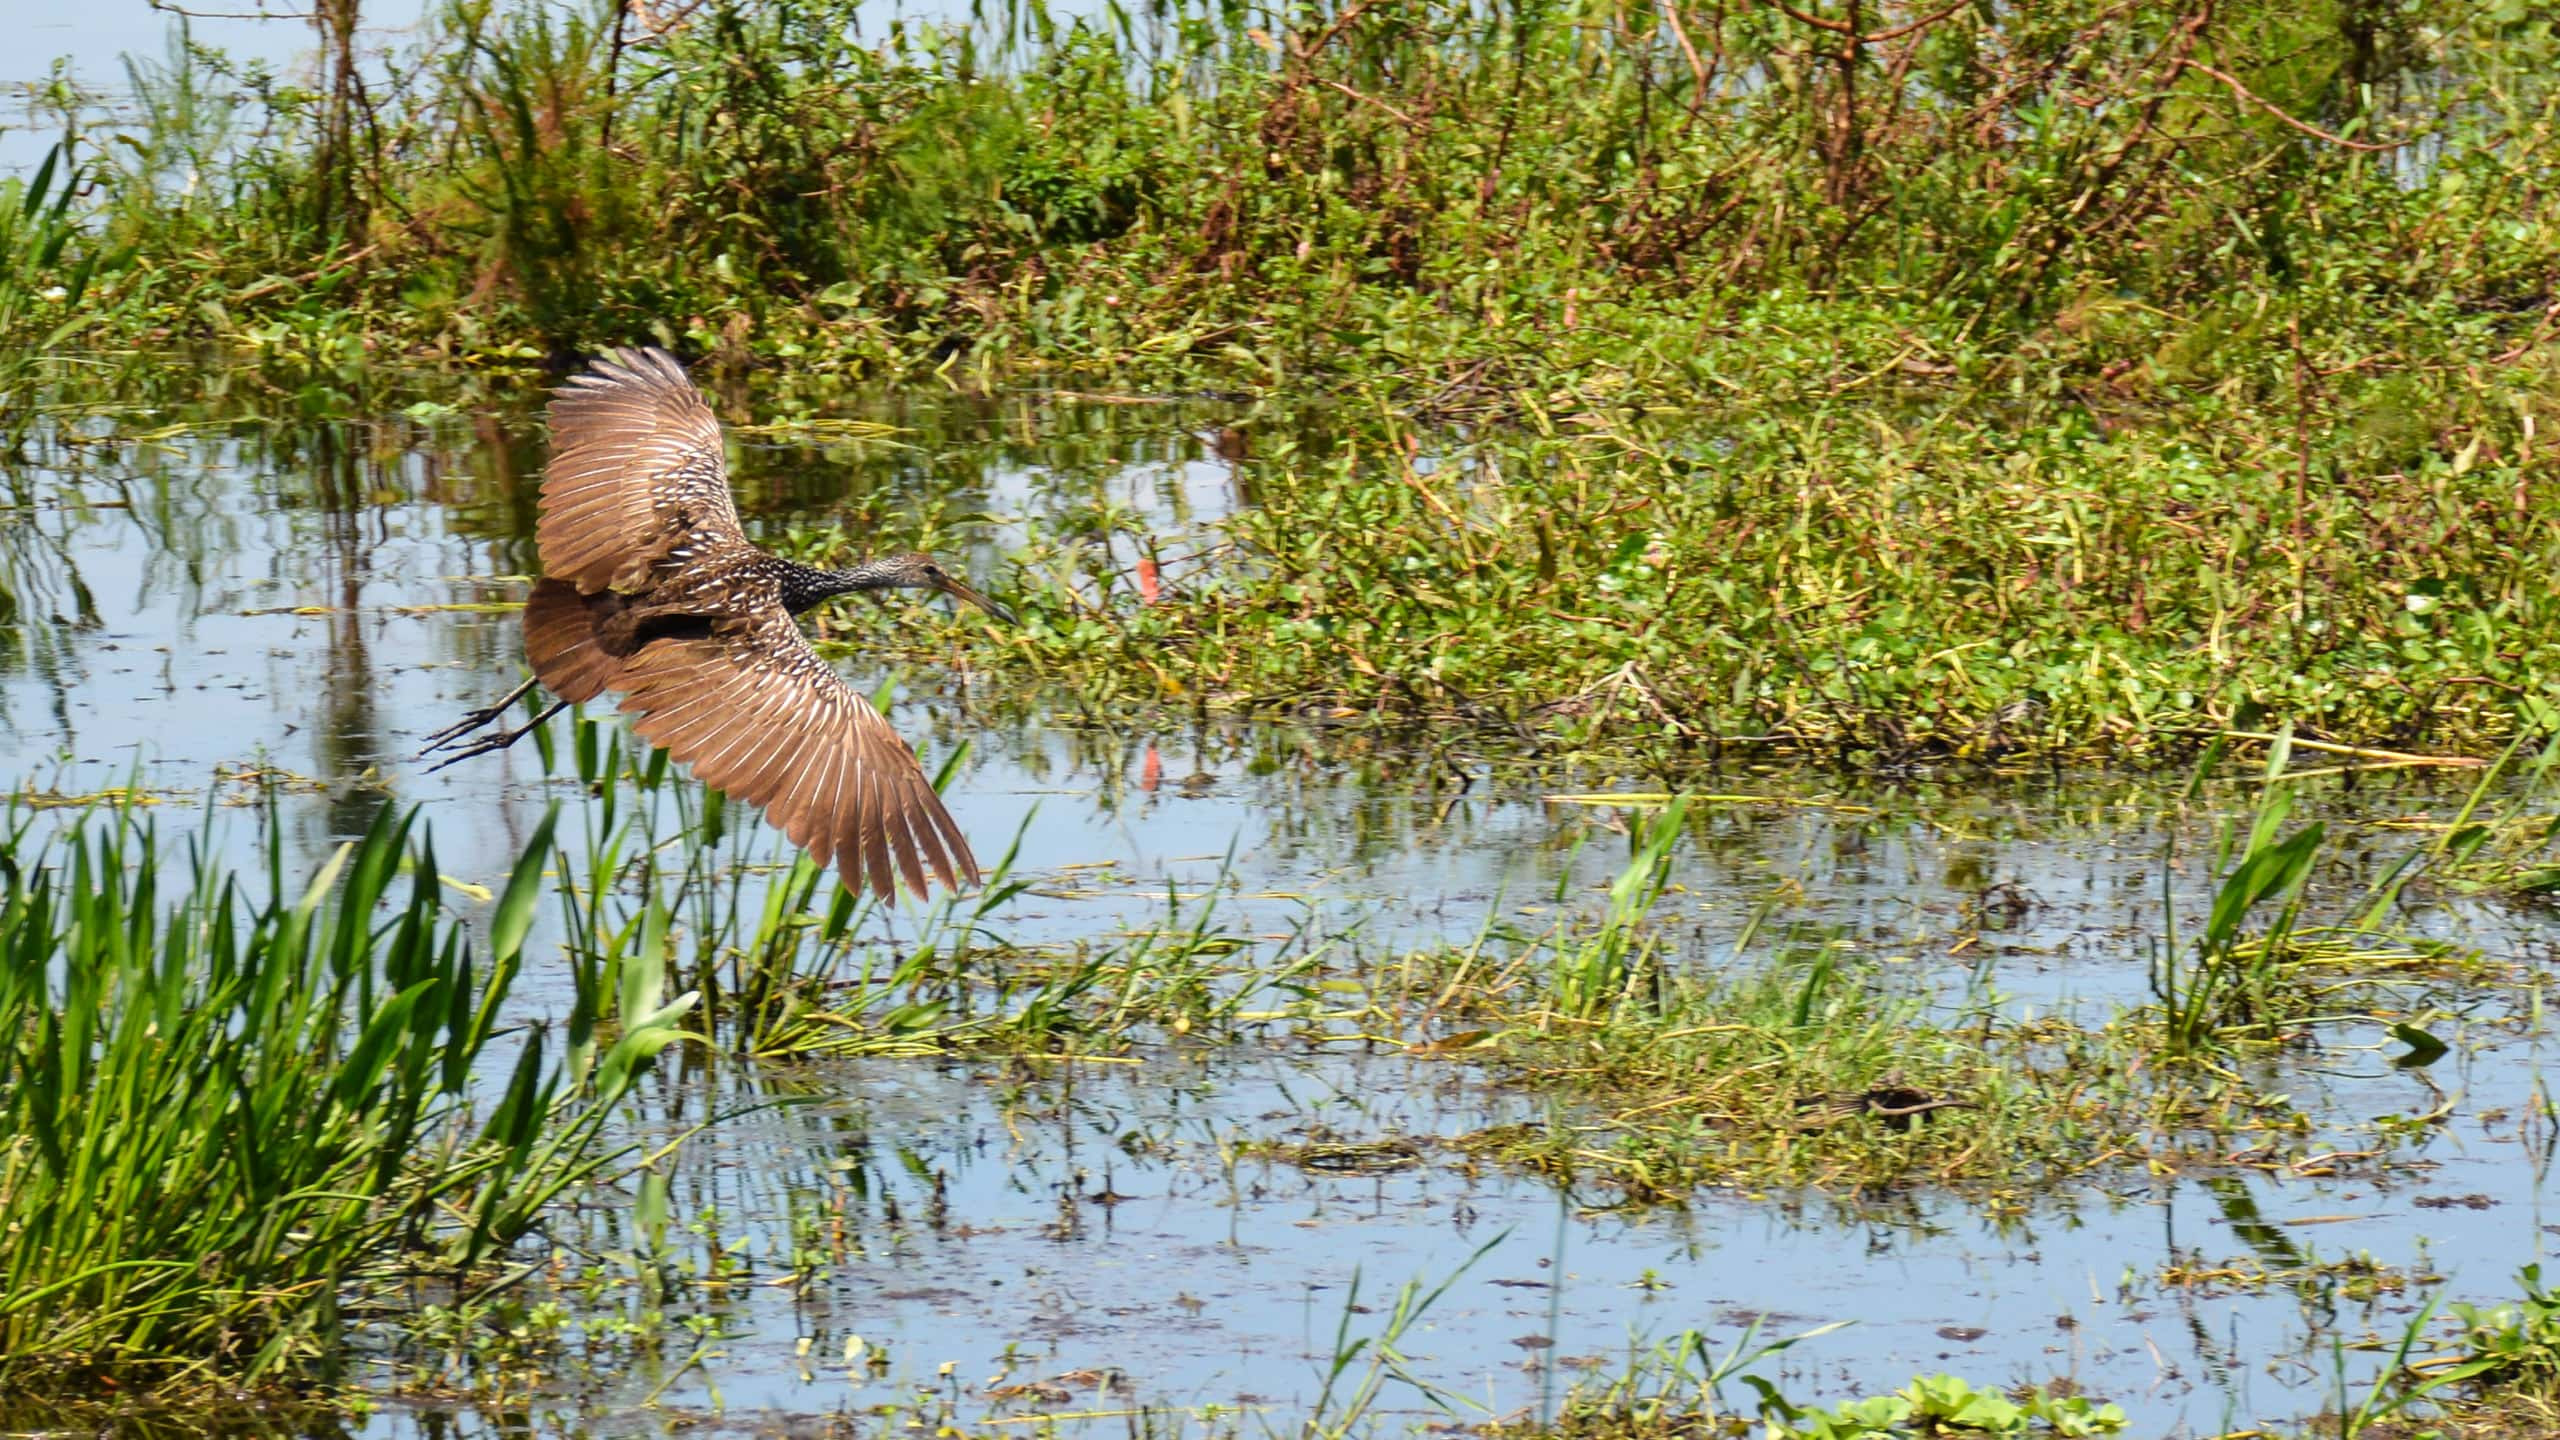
(1775, 1403)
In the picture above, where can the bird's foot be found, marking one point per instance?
(459, 728)
(485, 745)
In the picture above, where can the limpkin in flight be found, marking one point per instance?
(651, 590)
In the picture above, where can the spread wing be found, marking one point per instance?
(636, 473)
(754, 711)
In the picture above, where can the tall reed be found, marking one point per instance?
(226, 1117)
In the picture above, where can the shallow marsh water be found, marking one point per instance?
(203, 601)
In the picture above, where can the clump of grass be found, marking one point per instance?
(46, 271)
(2256, 974)
(226, 1116)
(1801, 1064)
(2239, 984)
(1809, 1070)
(2500, 841)
(2502, 1376)
(1805, 1068)
(1683, 1387)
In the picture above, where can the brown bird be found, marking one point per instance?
(651, 590)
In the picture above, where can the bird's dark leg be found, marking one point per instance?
(474, 720)
(489, 744)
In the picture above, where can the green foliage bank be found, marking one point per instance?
(1902, 378)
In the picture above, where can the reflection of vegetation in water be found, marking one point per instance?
(41, 597)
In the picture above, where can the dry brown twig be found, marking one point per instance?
(2278, 111)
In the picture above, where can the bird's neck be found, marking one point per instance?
(805, 585)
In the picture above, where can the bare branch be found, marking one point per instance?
(2278, 111)
(1923, 23)
(1817, 22)
(1372, 100)
(166, 7)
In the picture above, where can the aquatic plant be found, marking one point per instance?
(2238, 981)
(2255, 974)
(1087, 184)
(1943, 1405)
(227, 1117)
(2518, 1341)
(46, 276)
(1788, 1056)
(1676, 1386)
(1341, 1409)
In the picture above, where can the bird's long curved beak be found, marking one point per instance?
(958, 591)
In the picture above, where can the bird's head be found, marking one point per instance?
(919, 571)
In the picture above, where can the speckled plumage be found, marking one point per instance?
(652, 591)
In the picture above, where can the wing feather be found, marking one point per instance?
(875, 822)
(750, 708)
(812, 822)
(904, 845)
(947, 849)
(636, 470)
